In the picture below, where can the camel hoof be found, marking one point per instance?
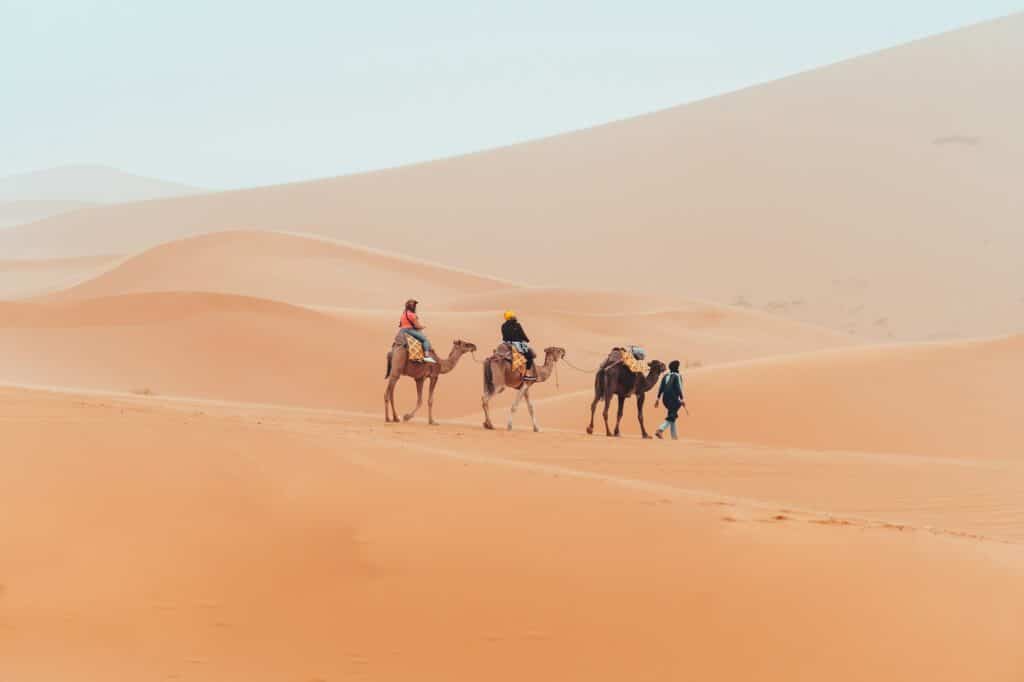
(407, 417)
(590, 430)
(646, 437)
(488, 426)
(536, 430)
(433, 423)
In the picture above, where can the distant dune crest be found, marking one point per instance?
(765, 197)
(88, 184)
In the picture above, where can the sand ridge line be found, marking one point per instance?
(815, 516)
(336, 423)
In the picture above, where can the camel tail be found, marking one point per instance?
(388, 374)
(488, 378)
(599, 380)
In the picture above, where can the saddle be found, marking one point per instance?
(412, 345)
(633, 357)
(509, 353)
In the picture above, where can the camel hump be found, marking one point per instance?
(614, 357)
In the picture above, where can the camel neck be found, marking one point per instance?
(449, 363)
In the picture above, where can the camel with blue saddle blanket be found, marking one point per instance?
(406, 359)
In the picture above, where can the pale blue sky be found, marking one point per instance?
(223, 93)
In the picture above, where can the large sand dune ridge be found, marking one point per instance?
(878, 196)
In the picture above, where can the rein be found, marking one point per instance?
(580, 369)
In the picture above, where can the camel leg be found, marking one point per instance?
(389, 400)
(485, 400)
(419, 400)
(607, 405)
(387, 388)
(640, 414)
(394, 410)
(515, 404)
(593, 408)
(529, 406)
(618, 418)
(430, 401)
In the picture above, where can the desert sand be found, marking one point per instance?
(158, 540)
(877, 196)
(27, 279)
(198, 482)
(89, 184)
(21, 211)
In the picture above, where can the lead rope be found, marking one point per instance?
(579, 369)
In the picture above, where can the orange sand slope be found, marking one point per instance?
(30, 278)
(877, 196)
(156, 541)
(206, 345)
(171, 321)
(291, 268)
(956, 399)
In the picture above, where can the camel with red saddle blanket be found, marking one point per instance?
(406, 359)
(506, 368)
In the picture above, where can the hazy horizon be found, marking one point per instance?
(195, 95)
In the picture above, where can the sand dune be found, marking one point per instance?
(159, 541)
(956, 399)
(834, 196)
(20, 279)
(207, 489)
(105, 334)
(274, 318)
(291, 268)
(332, 276)
(206, 345)
(17, 212)
(87, 183)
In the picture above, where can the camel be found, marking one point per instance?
(614, 378)
(498, 376)
(399, 366)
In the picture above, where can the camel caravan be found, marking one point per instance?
(624, 373)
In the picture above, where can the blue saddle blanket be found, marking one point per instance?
(520, 346)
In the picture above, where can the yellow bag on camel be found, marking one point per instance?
(635, 364)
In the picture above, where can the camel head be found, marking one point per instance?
(656, 367)
(554, 352)
(465, 346)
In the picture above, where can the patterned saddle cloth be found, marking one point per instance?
(412, 346)
(634, 358)
(514, 353)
